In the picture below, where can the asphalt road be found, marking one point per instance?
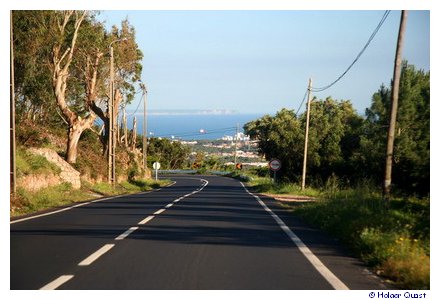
(203, 232)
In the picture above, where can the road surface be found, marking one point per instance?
(203, 232)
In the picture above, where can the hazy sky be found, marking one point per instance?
(260, 61)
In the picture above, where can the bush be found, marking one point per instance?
(394, 240)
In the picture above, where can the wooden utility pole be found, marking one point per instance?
(124, 122)
(12, 124)
(236, 142)
(394, 107)
(133, 141)
(111, 115)
(306, 138)
(144, 128)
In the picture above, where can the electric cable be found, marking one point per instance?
(304, 98)
(384, 17)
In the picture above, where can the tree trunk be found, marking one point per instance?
(72, 144)
(74, 133)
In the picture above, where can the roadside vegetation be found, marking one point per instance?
(90, 162)
(345, 167)
(63, 194)
(393, 239)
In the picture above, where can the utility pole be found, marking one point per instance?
(124, 122)
(12, 124)
(110, 117)
(394, 107)
(306, 139)
(236, 142)
(133, 144)
(144, 128)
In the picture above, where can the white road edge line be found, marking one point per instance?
(331, 278)
(126, 233)
(57, 282)
(94, 256)
(81, 204)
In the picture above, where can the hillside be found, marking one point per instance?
(41, 184)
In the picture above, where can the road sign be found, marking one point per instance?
(156, 166)
(275, 164)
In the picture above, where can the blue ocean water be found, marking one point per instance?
(193, 127)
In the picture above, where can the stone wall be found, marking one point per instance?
(35, 182)
(68, 173)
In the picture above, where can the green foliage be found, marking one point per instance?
(38, 37)
(332, 130)
(346, 145)
(49, 197)
(411, 171)
(33, 79)
(28, 163)
(395, 241)
(63, 194)
(170, 154)
(279, 137)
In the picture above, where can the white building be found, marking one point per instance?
(241, 137)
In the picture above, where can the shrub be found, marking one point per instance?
(394, 240)
(29, 163)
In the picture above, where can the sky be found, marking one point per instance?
(260, 61)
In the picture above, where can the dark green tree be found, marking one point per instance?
(333, 139)
(412, 143)
(170, 154)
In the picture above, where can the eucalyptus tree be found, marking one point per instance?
(33, 79)
(62, 67)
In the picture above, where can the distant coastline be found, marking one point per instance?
(192, 124)
(188, 112)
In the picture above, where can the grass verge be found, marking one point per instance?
(29, 202)
(393, 240)
(29, 163)
(267, 186)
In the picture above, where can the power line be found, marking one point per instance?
(384, 17)
(139, 104)
(304, 98)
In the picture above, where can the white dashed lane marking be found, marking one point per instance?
(104, 249)
(94, 256)
(57, 282)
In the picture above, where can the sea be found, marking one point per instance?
(192, 126)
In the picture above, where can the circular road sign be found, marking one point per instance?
(275, 164)
(156, 166)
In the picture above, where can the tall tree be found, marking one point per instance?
(412, 142)
(127, 59)
(33, 77)
(332, 140)
(62, 57)
(62, 71)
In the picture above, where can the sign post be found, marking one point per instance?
(275, 165)
(156, 166)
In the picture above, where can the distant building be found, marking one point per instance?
(189, 142)
(241, 137)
